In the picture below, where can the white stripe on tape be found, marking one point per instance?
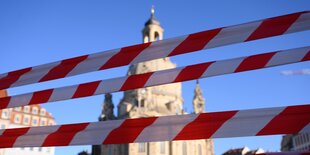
(233, 34)
(288, 56)
(95, 133)
(159, 49)
(165, 76)
(302, 23)
(93, 62)
(20, 100)
(165, 128)
(35, 136)
(222, 67)
(248, 122)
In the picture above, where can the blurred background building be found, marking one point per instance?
(243, 151)
(298, 142)
(27, 116)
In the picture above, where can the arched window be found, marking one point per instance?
(156, 36)
(142, 103)
(146, 38)
(184, 149)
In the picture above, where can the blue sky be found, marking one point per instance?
(37, 32)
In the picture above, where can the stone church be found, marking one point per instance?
(160, 100)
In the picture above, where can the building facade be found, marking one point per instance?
(243, 151)
(27, 116)
(298, 142)
(160, 100)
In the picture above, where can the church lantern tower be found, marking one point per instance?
(152, 30)
(152, 101)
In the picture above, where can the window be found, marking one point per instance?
(162, 147)
(26, 120)
(34, 121)
(26, 109)
(34, 110)
(156, 36)
(184, 149)
(18, 109)
(5, 114)
(141, 147)
(2, 126)
(142, 103)
(17, 119)
(43, 122)
(42, 112)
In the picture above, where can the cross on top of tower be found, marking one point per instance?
(152, 10)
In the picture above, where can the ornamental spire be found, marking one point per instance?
(107, 108)
(198, 101)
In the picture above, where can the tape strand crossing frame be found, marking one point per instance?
(275, 26)
(268, 121)
(180, 74)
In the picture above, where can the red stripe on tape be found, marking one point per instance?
(307, 57)
(296, 116)
(4, 102)
(132, 82)
(64, 134)
(12, 77)
(41, 96)
(9, 136)
(267, 28)
(63, 68)
(255, 62)
(86, 89)
(195, 42)
(125, 56)
(128, 131)
(205, 125)
(192, 72)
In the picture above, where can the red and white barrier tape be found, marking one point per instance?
(267, 121)
(142, 52)
(160, 77)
